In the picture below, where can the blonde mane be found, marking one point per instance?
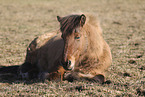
(94, 35)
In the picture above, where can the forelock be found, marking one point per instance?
(69, 23)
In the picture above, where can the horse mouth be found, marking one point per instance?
(70, 64)
(70, 68)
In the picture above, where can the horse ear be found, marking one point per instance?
(59, 18)
(82, 19)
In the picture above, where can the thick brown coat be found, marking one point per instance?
(47, 51)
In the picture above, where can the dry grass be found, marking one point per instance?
(123, 26)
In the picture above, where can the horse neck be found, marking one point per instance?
(93, 41)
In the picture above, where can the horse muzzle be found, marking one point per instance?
(70, 64)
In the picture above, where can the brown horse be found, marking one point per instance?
(86, 53)
(80, 48)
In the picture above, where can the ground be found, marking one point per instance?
(123, 24)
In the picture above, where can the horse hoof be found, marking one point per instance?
(99, 78)
(24, 75)
(69, 77)
(107, 82)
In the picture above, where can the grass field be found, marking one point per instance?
(123, 24)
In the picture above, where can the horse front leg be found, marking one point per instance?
(100, 78)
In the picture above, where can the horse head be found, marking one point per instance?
(72, 31)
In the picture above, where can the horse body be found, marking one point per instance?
(50, 55)
(79, 47)
(44, 55)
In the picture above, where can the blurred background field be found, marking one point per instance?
(123, 24)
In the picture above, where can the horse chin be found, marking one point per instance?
(70, 68)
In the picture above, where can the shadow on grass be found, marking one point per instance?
(9, 74)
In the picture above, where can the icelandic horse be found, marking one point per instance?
(78, 48)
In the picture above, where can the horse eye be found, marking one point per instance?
(77, 37)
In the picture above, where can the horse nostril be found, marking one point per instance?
(69, 62)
